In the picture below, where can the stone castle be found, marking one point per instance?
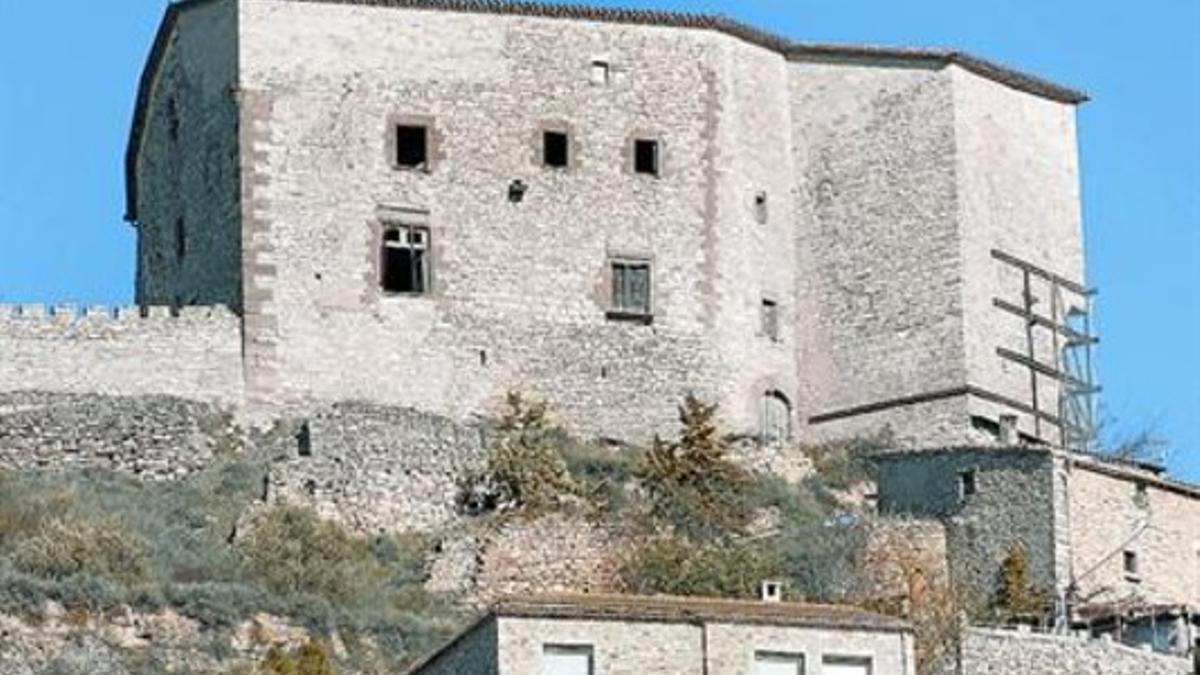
(378, 217)
(428, 203)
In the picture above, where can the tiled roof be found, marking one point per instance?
(791, 50)
(670, 609)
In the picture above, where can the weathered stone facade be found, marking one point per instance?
(664, 636)
(1079, 519)
(857, 193)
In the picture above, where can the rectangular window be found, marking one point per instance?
(771, 663)
(412, 146)
(966, 485)
(1132, 566)
(600, 72)
(631, 288)
(770, 319)
(567, 660)
(846, 665)
(646, 157)
(405, 260)
(555, 149)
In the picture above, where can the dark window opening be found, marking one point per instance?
(173, 118)
(770, 319)
(967, 484)
(180, 239)
(555, 152)
(1131, 564)
(304, 440)
(631, 288)
(646, 157)
(760, 207)
(412, 146)
(405, 264)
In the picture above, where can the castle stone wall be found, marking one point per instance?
(879, 244)
(195, 355)
(994, 652)
(188, 200)
(378, 469)
(519, 291)
(1018, 184)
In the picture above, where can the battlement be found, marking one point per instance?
(189, 352)
(69, 313)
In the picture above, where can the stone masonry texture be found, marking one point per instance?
(987, 652)
(188, 203)
(1076, 517)
(861, 193)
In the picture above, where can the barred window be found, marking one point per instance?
(631, 287)
(405, 260)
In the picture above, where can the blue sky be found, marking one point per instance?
(69, 68)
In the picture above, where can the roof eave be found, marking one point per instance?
(991, 70)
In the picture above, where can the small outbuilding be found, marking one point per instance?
(610, 635)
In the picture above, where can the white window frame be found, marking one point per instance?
(585, 650)
(412, 238)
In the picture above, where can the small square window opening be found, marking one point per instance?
(555, 149)
(412, 146)
(405, 263)
(770, 319)
(631, 288)
(646, 157)
(601, 73)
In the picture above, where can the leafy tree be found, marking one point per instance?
(691, 483)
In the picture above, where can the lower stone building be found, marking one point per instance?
(1103, 538)
(624, 635)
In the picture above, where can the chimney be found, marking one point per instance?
(772, 591)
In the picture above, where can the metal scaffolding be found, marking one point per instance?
(1068, 365)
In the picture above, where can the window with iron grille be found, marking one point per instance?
(631, 288)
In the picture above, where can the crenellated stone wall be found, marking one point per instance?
(193, 353)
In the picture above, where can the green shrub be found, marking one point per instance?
(677, 566)
(61, 549)
(311, 659)
(525, 469)
(1016, 597)
(691, 483)
(293, 551)
(603, 474)
(844, 463)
